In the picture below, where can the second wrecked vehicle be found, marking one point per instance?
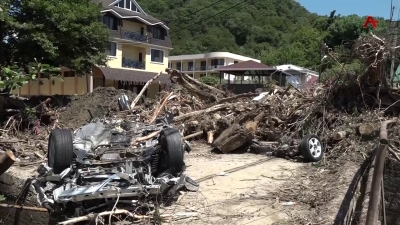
(103, 164)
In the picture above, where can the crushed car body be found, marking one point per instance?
(110, 162)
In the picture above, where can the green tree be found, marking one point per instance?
(57, 33)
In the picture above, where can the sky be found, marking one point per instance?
(378, 8)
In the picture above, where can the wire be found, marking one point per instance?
(215, 15)
(196, 12)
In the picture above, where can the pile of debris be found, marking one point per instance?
(131, 154)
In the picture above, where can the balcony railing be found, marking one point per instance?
(215, 66)
(128, 63)
(135, 36)
(201, 68)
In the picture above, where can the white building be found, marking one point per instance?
(300, 75)
(204, 64)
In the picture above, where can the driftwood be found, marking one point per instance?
(340, 135)
(126, 212)
(232, 138)
(7, 159)
(209, 110)
(29, 208)
(193, 86)
(143, 90)
(145, 138)
(236, 136)
(245, 95)
(160, 108)
(193, 135)
(367, 130)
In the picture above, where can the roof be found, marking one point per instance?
(246, 66)
(291, 68)
(212, 55)
(133, 76)
(126, 14)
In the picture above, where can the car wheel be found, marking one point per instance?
(311, 148)
(60, 150)
(171, 156)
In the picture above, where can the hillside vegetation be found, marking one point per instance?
(275, 31)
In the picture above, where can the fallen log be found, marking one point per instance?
(195, 81)
(232, 138)
(245, 95)
(208, 110)
(7, 159)
(236, 136)
(340, 135)
(143, 90)
(157, 111)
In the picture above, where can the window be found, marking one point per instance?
(203, 65)
(112, 49)
(217, 62)
(235, 62)
(158, 33)
(110, 22)
(69, 73)
(126, 4)
(190, 66)
(178, 65)
(157, 56)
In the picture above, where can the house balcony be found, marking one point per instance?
(130, 36)
(134, 64)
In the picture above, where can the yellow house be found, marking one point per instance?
(138, 51)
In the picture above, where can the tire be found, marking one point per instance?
(171, 156)
(60, 150)
(311, 148)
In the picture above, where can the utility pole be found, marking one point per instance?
(393, 29)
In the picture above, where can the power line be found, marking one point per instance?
(215, 15)
(196, 12)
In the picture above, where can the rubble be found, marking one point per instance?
(327, 124)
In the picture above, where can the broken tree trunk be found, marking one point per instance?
(158, 110)
(195, 81)
(208, 110)
(232, 138)
(245, 95)
(6, 161)
(143, 90)
(236, 136)
(210, 95)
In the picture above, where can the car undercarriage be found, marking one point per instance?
(109, 164)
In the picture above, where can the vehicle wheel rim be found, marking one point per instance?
(315, 147)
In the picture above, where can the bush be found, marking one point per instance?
(210, 80)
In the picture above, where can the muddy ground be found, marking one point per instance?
(251, 195)
(75, 113)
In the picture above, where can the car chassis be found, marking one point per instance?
(102, 164)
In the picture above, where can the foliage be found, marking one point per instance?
(60, 33)
(277, 32)
(15, 77)
(210, 79)
(2, 198)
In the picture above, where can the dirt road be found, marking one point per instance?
(241, 197)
